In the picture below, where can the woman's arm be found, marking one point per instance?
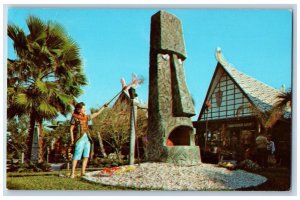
(99, 111)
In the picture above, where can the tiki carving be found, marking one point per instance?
(35, 148)
(171, 133)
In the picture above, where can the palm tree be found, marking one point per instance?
(46, 76)
(277, 111)
(283, 103)
(284, 100)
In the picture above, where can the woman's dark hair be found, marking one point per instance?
(78, 106)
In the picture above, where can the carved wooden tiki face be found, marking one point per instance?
(171, 134)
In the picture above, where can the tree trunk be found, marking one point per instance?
(30, 137)
(41, 142)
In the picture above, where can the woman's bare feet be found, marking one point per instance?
(72, 175)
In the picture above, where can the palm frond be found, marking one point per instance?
(65, 99)
(13, 31)
(15, 110)
(55, 39)
(76, 91)
(273, 117)
(71, 56)
(42, 86)
(37, 28)
(10, 91)
(57, 29)
(23, 100)
(46, 109)
(284, 99)
(81, 79)
(19, 38)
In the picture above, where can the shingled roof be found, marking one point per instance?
(262, 95)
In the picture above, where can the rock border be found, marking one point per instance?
(169, 177)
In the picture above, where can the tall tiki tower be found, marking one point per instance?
(171, 133)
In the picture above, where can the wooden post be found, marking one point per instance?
(206, 132)
(101, 145)
(48, 152)
(22, 157)
(132, 132)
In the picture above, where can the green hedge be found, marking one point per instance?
(30, 167)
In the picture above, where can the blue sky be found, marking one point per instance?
(115, 43)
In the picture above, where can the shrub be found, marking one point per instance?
(30, 167)
(44, 166)
(101, 162)
(249, 165)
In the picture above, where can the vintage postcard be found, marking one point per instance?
(149, 99)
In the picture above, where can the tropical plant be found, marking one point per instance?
(16, 136)
(61, 131)
(58, 137)
(284, 100)
(46, 76)
(276, 112)
(281, 106)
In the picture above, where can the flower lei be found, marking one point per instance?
(80, 117)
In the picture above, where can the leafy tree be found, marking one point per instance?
(16, 136)
(46, 76)
(114, 124)
(62, 131)
(59, 135)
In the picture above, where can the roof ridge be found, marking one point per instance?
(227, 65)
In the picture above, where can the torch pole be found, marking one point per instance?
(132, 133)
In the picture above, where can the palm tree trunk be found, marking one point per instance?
(41, 142)
(30, 137)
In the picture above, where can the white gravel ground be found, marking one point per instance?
(166, 176)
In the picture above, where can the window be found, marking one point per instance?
(227, 102)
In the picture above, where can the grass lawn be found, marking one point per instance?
(278, 180)
(57, 180)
